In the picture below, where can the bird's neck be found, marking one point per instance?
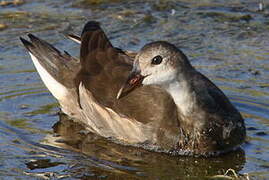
(183, 95)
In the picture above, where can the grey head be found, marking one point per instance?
(157, 63)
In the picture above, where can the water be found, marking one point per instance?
(225, 40)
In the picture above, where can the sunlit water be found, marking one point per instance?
(225, 40)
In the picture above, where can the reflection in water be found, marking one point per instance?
(119, 160)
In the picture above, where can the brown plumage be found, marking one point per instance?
(148, 116)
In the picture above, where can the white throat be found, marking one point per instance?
(182, 95)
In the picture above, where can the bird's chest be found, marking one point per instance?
(184, 98)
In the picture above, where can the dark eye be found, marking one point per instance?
(156, 60)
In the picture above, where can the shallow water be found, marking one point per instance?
(225, 40)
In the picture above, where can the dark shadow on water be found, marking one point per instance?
(100, 156)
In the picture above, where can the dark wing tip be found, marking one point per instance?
(32, 37)
(91, 26)
(27, 44)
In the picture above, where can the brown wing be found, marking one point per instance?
(60, 65)
(105, 68)
(77, 39)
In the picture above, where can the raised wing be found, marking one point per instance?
(87, 89)
(56, 69)
(105, 68)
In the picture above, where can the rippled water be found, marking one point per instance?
(225, 40)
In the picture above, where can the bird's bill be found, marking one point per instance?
(133, 81)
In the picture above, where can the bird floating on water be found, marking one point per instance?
(154, 99)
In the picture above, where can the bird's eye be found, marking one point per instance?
(156, 60)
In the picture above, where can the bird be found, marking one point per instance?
(152, 99)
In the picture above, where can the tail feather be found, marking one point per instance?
(56, 69)
(74, 38)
